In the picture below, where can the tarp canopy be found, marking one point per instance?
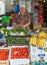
(2, 8)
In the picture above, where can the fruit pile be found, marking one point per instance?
(4, 54)
(19, 53)
(33, 40)
(38, 41)
(42, 35)
(41, 39)
(41, 42)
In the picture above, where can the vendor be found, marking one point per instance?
(22, 19)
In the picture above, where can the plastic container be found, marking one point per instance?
(17, 9)
(1, 35)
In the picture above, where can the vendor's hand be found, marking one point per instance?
(15, 24)
(26, 25)
(19, 25)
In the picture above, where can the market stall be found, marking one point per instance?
(19, 44)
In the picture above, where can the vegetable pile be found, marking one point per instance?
(20, 31)
(14, 40)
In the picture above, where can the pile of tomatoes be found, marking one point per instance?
(4, 54)
(16, 53)
(19, 53)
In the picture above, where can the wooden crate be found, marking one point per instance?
(36, 27)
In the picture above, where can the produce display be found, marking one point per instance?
(4, 53)
(42, 35)
(21, 49)
(33, 40)
(14, 55)
(16, 40)
(19, 31)
(19, 44)
(14, 31)
(19, 55)
(19, 52)
(38, 49)
(39, 40)
(4, 56)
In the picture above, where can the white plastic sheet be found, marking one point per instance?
(2, 8)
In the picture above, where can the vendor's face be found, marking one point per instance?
(22, 10)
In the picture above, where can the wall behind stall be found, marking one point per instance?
(8, 5)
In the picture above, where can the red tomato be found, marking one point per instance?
(4, 54)
(18, 53)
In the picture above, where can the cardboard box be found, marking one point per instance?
(36, 27)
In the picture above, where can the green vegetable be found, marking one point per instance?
(15, 30)
(11, 40)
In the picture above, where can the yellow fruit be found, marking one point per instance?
(33, 40)
(41, 42)
(42, 35)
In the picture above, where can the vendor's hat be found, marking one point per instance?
(22, 5)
